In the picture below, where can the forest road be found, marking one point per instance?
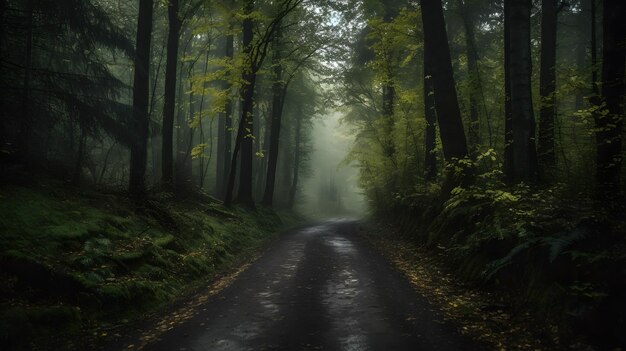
(317, 288)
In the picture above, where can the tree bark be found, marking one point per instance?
(547, 89)
(277, 113)
(430, 114)
(183, 177)
(169, 99)
(141, 92)
(609, 123)
(523, 119)
(26, 118)
(447, 106)
(244, 138)
(224, 127)
(296, 161)
(389, 95)
(509, 173)
(473, 130)
(595, 92)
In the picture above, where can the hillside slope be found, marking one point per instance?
(75, 263)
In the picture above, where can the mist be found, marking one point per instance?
(331, 188)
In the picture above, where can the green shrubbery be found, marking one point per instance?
(73, 260)
(545, 250)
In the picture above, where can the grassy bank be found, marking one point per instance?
(545, 258)
(76, 262)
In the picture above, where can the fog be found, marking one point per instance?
(331, 189)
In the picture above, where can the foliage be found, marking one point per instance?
(74, 262)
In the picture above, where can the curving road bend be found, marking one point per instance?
(317, 288)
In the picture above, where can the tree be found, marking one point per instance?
(430, 113)
(509, 167)
(446, 102)
(254, 53)
(26, 118)
(141, 91)
(524, 162)
(547, 89)
(169, 99)
(286, 63)
(278, 99)
(297, 160)
(473, 130)
(224, 126)
(244, 134)
(609, 121)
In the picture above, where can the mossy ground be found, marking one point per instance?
(75, 260)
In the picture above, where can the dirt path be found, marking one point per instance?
(318, 288)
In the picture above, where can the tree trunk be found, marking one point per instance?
(595, 92)
(296, 161)
(80, 155)
(473, 130)
(430, 113)
(581, 54)
(447, 106)
(389, 90)
(183, 177)
(509, 173)
(169, 99)
(224, 133)
(277, 113)
(547, 90)
(26, 119)
(141, 92)
(609, 123)
(523, 119)
(244, 138)
(389, 94)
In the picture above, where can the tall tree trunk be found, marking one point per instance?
(509, 172)
(447, 105)
(430, 113)
(141, 92)
(595, 92)
(276, 121)
(258, 171)
(26, 118)
(523, 123)
(296, 160)
(244, 140)
(169, 99)
(389, 90)
(547, 89)
(389, 94)
(581, 54)
(224, 133)
(609, 123)
(473, 130)
(183, 177)
(80, 154)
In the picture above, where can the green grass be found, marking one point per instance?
(73, 260)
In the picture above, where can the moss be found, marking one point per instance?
(109, 256)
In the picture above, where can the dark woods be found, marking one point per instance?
(489, 130)
(153, 96)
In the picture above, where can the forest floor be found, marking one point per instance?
(80, 265)
(485, 315)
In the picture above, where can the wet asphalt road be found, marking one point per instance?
(317, 288)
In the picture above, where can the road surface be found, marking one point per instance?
(317, 288)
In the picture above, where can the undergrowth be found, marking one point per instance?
(559, 256)
(73, 261)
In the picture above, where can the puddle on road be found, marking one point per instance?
(341, 293)
(341, 245)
